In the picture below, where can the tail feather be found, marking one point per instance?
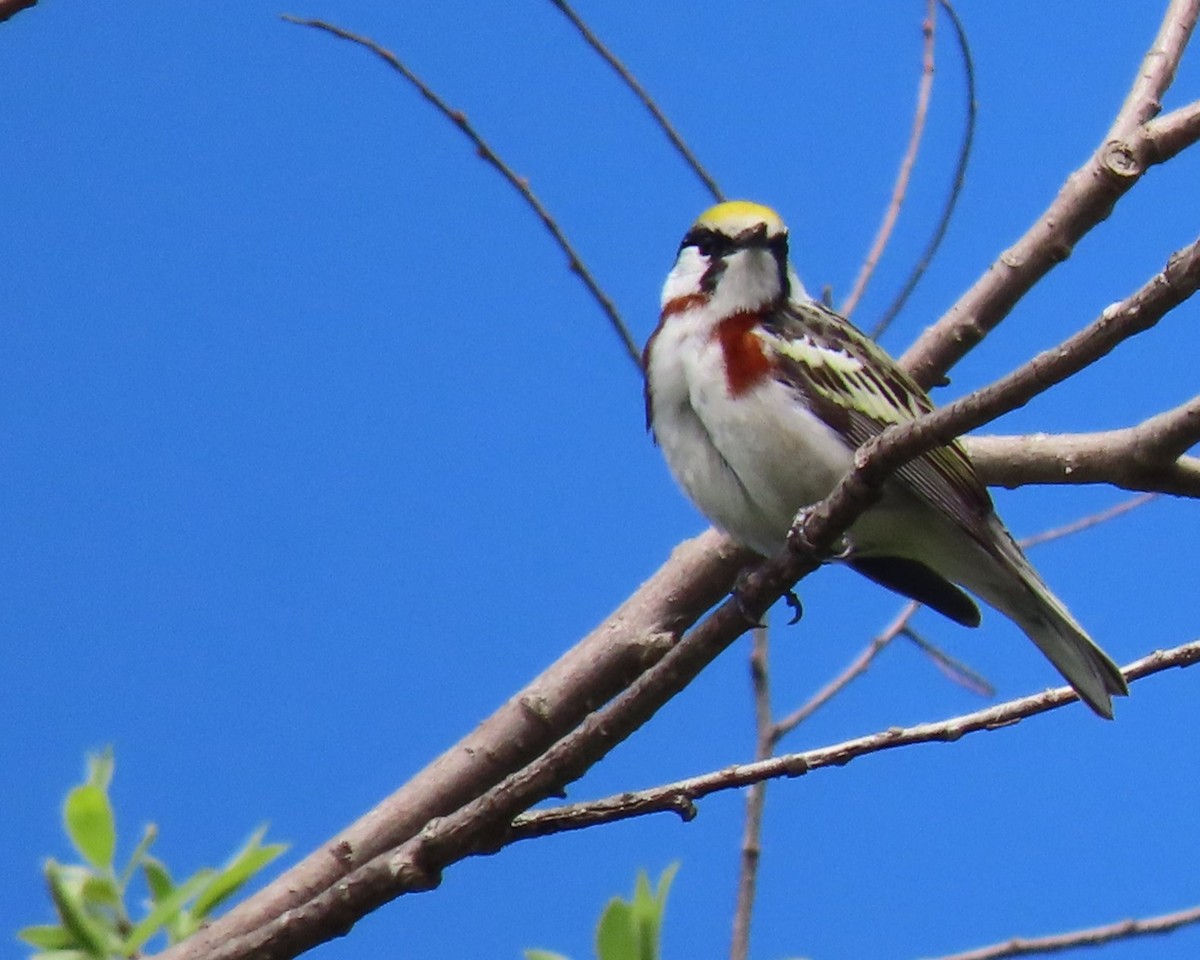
(1082, 663)
(1028, 602)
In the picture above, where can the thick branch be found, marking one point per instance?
(1085, 200)
(599, 666)
(1145, 457)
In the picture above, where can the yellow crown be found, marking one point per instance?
(734, 216)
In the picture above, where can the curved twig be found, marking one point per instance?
(644, 97)
(485, 151)
(904, 174)
(956, 186)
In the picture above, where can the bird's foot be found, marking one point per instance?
(794, 604)
(841, 549)
(739, 586)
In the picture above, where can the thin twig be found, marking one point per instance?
(1090, 937)
(756, 798)
(956, 186)
(951, 667)
(856, 668)
(644, 97)
(485, 151)
(1091, 520)
(671, 797)
(900, 188)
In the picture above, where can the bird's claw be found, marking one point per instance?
(794, 604)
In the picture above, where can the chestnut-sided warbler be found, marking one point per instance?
(759, 396)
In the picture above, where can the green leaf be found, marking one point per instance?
(100, 768)
(616, 934)
(646, 915)
(98, 891)
(66, 890)
(240, 868)
(61, 955)
(88, 817)
(543, 955)
(664, 884)
(165, 910)
(47, 937)
(158, 879)
(149, 835)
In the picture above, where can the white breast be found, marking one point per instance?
(750, 462)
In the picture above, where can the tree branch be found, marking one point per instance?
(1086, 199)
(1158, 69)
(900, 188)
(486, 153)
(660, 118)
(1145, 457)
(756, 798)
(683, 794)
(1090, 937)
(956, 185)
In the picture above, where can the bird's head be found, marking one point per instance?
(735, 256)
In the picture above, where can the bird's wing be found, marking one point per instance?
(858, 390)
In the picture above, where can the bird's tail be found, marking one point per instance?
(1028, 602)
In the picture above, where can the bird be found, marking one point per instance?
(759, 396)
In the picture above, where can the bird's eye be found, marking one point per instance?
(709, 243)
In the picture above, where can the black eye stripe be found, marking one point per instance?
(713, 244)
(708, 242)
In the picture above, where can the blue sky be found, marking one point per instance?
(314, 451)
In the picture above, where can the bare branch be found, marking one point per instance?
(1143, 457)
(856, 668)
(1158, 69)
(956, 185)
(518, 183)
(638, 633)
(1086, 199)
(677, 141)
(1174, 131)
(1091, 520)
(955, 670)
(1090, 937)
(756, 798)
(900, 188)
(671, 797)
